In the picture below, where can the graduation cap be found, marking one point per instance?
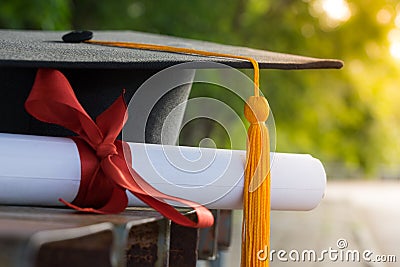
(97, 73)
(98, 69)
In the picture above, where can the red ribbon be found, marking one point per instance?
(105, 174)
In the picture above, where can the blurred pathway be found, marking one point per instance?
(364, 214)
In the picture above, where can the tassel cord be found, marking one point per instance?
(183, 50)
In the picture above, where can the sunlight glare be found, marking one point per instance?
(394, 39)
(397, 21)
(395, 50)
(337, 9)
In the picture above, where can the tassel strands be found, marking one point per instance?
(256, 195)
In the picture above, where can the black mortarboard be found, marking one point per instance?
(98, 73)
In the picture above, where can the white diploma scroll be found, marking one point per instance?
(38, 170)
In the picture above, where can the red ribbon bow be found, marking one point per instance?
(105, 174)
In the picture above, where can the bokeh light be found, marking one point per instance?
(337, 9)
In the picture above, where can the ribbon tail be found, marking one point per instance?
(77, 208)
(127, 178)
(204, 216)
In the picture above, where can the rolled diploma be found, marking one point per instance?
(38, 170)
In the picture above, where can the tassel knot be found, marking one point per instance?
(256, 109)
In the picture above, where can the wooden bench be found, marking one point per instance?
(57, 237)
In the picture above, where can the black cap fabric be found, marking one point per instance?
(46, 49)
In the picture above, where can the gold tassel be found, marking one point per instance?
(256, 193)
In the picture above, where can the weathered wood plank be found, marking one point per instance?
(183, 246)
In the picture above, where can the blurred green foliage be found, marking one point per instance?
(349, 118)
